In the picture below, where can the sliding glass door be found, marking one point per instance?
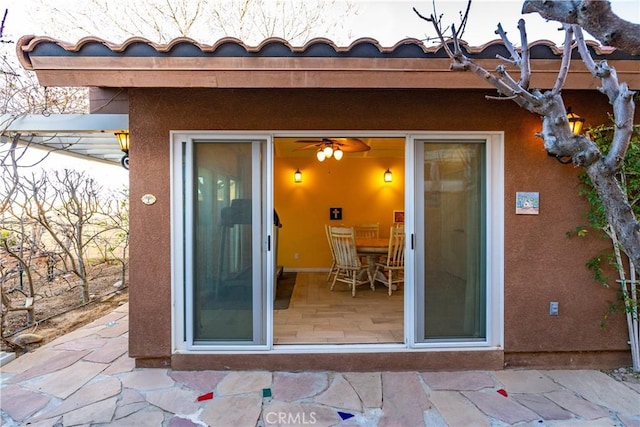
(226, 243)
(451, 232)
(222, 201)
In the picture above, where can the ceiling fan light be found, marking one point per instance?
(338, 153)
(320, 155)
(328, 151)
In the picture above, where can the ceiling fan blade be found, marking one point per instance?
(350, 145)
(306, 147)
(316, 141)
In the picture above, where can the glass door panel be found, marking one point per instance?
(453, 285)
(228, 291)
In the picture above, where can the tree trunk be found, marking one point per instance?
(619, 212)
(595, 16)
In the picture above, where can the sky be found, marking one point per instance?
(388, 21)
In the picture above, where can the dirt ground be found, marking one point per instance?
(58, 304)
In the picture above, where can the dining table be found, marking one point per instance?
(373, 248)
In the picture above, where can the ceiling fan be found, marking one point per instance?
(334, 147)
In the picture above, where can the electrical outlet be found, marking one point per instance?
(296, 256)
(553, 308)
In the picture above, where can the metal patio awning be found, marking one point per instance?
(86, 136)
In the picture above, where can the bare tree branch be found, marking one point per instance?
(595, 16)
(566, 59)
(559, 141)
(620, 97)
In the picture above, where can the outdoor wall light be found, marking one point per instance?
(297, 176)
(388, 176)
(575, 122)
(123, 140)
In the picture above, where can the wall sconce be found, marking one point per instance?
(575, 122)
(297, 176)
(123, 140)
(388, 176)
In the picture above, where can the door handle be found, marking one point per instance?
(269, 243)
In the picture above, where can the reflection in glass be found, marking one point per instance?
(454, 212)
(222, 235)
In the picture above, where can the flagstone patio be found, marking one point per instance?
(87, 378)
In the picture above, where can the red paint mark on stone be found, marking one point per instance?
(206, 396)
(503, 392)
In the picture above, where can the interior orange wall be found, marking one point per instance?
(303, 207)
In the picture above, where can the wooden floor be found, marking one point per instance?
(319, 316)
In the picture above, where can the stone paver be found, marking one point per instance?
(73, 335)
(633, 386)
(86, 378)
(503, 408)
(295, 386)
(65, 382)
(466, 380)
(94, 392)
(340, 394)
(600, 422)
(577, 405)
(38, 364)
(521, 381)
(20, 403)
(118, 328)
(600, 389)
(182, 422)
(368, 385)
(279, 413)
(147, 379)
(123, 411)
(110, 351)
(122, 364)
(542, 406)
(233, 411)
(201, 381)
(152, 417)
(457, 410)
(99, 412)
(404, 400)
(244, 382)
(102, 322)
(175, 400)
(90, 342)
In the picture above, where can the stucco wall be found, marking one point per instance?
(541, 263)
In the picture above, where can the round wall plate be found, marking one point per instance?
(149, 199)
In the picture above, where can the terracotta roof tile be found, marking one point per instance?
(31, 45)
(319, 63)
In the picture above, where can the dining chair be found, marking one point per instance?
(367, 230)
(349, 267)
(333, 269)
(393, 265)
